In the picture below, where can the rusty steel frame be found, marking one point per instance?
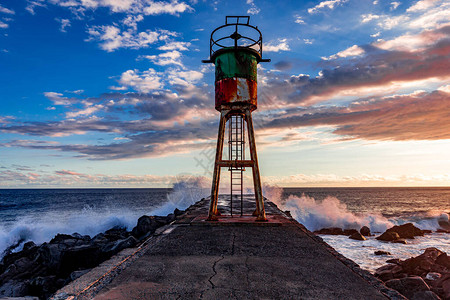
(225, 115)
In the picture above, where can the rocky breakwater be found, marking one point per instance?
(40, 270)
(426, 276)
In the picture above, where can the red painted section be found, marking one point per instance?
(236, 90)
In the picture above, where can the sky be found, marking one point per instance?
(112, 93)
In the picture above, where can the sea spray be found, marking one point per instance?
(184, 194)
(330, 212)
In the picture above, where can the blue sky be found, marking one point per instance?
(112, 93)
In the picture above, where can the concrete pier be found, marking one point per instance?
(234, 258)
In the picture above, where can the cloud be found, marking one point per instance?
(6, 10)
(59, 99)
(368, 17)
(70, 173)
(166, 58)
(112, 38)
(85, 112)
(179, 46)
(31, 5)
(394, 5)
(280, 45)
(146, 7)
(253, 10)
(283, 65)
(299, 19)
(144, 82)
(354, 50)
(325, 4)
(415, 116)
(64, 24)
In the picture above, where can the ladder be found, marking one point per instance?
(236, 151)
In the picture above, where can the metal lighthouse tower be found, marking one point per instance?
(235, 50)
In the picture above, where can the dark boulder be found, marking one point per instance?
(330, 231)
(388, 236)
(406, 231)
(117, 246)
(147, 225)
(350, 231)
(79, 257)
(382, 252)
(408, 286)
(116, 234)
(365, 231)
(357, 236)
(178, 212)
(444, 260)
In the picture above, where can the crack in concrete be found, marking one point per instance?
(248, 271)
(215, 272)
(232, 246)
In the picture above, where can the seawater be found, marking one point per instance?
(40, 214)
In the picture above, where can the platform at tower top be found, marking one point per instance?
(243, 259)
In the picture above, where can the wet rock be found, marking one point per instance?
(350, 231)
(406, 231)
(178, 212)
(395, 261)
(400, 241)
(330, 231)
(444, 260)
(425, 295)
(79, 257)
(147, 224)
(357, 236)
(388, 236)
(119, 245)
(408, 286)
(14, 288)
(382, 252)
(77, 274)
(365, 231)
(116, 234)
(28, 245)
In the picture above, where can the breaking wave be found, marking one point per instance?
(331, 212)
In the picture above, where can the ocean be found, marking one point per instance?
(39, 214)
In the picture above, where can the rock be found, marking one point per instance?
(178, 212)
(14, 288)
(350, 231)
(365, 231)
(406, 231)
(422, 264)
(147, 224)
(60, 238)
(44, 286)
(394, 261)
(119, 245)
(357, 236)
(443, 260)
(388, 236)
(440, 230)
(425, 295)
(116, 234)
(79, 257)
(382, 252)
(427, 231)
(331, 231)
(408, 286)
(28, 245)
(400, 241)
(77, 274)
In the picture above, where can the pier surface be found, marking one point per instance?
(234, 258)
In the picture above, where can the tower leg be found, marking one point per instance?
(260, 211)
(213, 212)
